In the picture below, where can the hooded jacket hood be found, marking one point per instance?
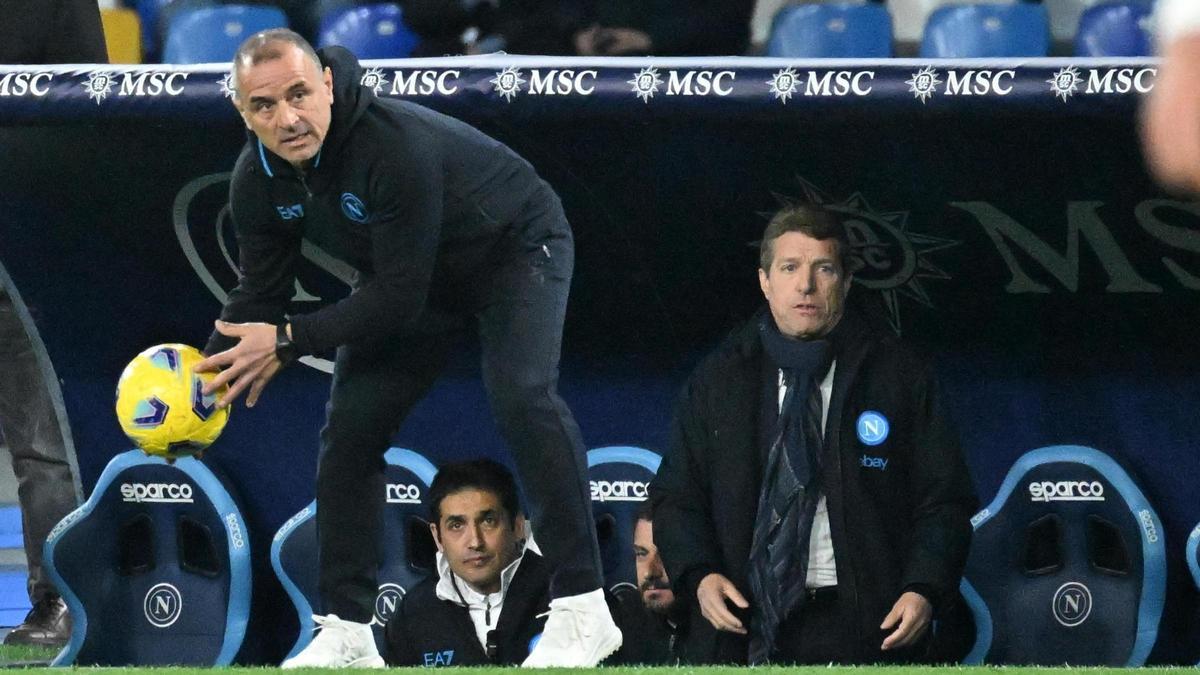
(350, 98)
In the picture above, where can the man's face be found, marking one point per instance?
(287, 103)
(652, 578)
(477, 537)
(805, 286)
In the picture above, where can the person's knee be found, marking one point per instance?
(516, 397)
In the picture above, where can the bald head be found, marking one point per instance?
(269, 45)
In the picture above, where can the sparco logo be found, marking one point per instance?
(1147, 520)
(162, 605)
(151, 84)
(423, 82)
(22, 84)
(235, 530)
(402, 493)
(1072, 604)
(1066, 491)
(561, 82)
(163, 493)
(700, 82)
(619, 490)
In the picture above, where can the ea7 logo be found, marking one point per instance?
(561, 82)
(1121, 80)
(619, 490)
(403, 493)
(20, 84)
(162, 493)
(979, 82)
(1066, 491)
(290, 212)
(700, 83)
(424, 82)
(839, 83)
(444, 657)
(151, 84)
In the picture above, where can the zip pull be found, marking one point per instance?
(487, 612)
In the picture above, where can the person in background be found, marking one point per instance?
(655, 620)
(51, 31)
(1171, 116)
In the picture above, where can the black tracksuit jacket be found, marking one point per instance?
(420, 204)
(903, 525)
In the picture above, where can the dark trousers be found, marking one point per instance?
(375, 386)
(818, 634)
(45, 485)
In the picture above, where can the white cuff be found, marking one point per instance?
(1175, 18)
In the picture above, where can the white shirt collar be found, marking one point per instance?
(450, 585)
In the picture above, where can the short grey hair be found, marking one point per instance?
(267, 45)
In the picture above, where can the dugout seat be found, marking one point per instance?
(1067, 565)
(1115, 29)
(1064, 16)
(155, 567)
(213, 34)
(833, 30)
(369, 31)
(122, 35)
(909, 16)
(406, 552)
(987, 31)
(618, 477)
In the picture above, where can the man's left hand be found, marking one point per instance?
(912, 612)
(250, 363)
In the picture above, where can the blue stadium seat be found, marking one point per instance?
(369, 31)
(213, 34)
(987, 31)
(619, 476)
(833, 30)
(407, 549)
(155, 567)
(1115, 29)
(1067, 565)
(150, 12)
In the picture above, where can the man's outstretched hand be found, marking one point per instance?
(250, 363)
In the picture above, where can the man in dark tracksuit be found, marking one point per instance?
(439, 220)
(898, 501)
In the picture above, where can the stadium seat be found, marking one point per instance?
(155, 567)
(369, 31)
(909, 16)
(1067, 565)
(1115, 29)
(213, 34)
(408, 549)
(150, 12)
(1064, 16)
(987, 31)
(619, 476)
(833, 30)
(1193, 555)
(122, 35)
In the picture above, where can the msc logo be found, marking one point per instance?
(151, 84)
(373, 79)
(402, 493)
(979, 82)
(162, 605)
(235, 530)
(423, 82)
(290, 212)
(508, 83)
(386, 601)
(783, 84)
(98, 85)
(645, 83)
(561, 82)
(619, 490)
(838, 83)
(160, 493)
(20, 84)
(353, 208)
(1066, 491)
(1072, 604)
(700, 83)
(1147, 520)
(923, 83)
(1065, 82)
(440, 658)
(1121, 80)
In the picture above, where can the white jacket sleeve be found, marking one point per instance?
(1175, 18)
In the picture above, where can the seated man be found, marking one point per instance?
(815, 502)
(650, 618)
(483, 606)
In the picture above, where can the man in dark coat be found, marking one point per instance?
(852, 510)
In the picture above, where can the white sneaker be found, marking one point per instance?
(338, 644)
(579, 633)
